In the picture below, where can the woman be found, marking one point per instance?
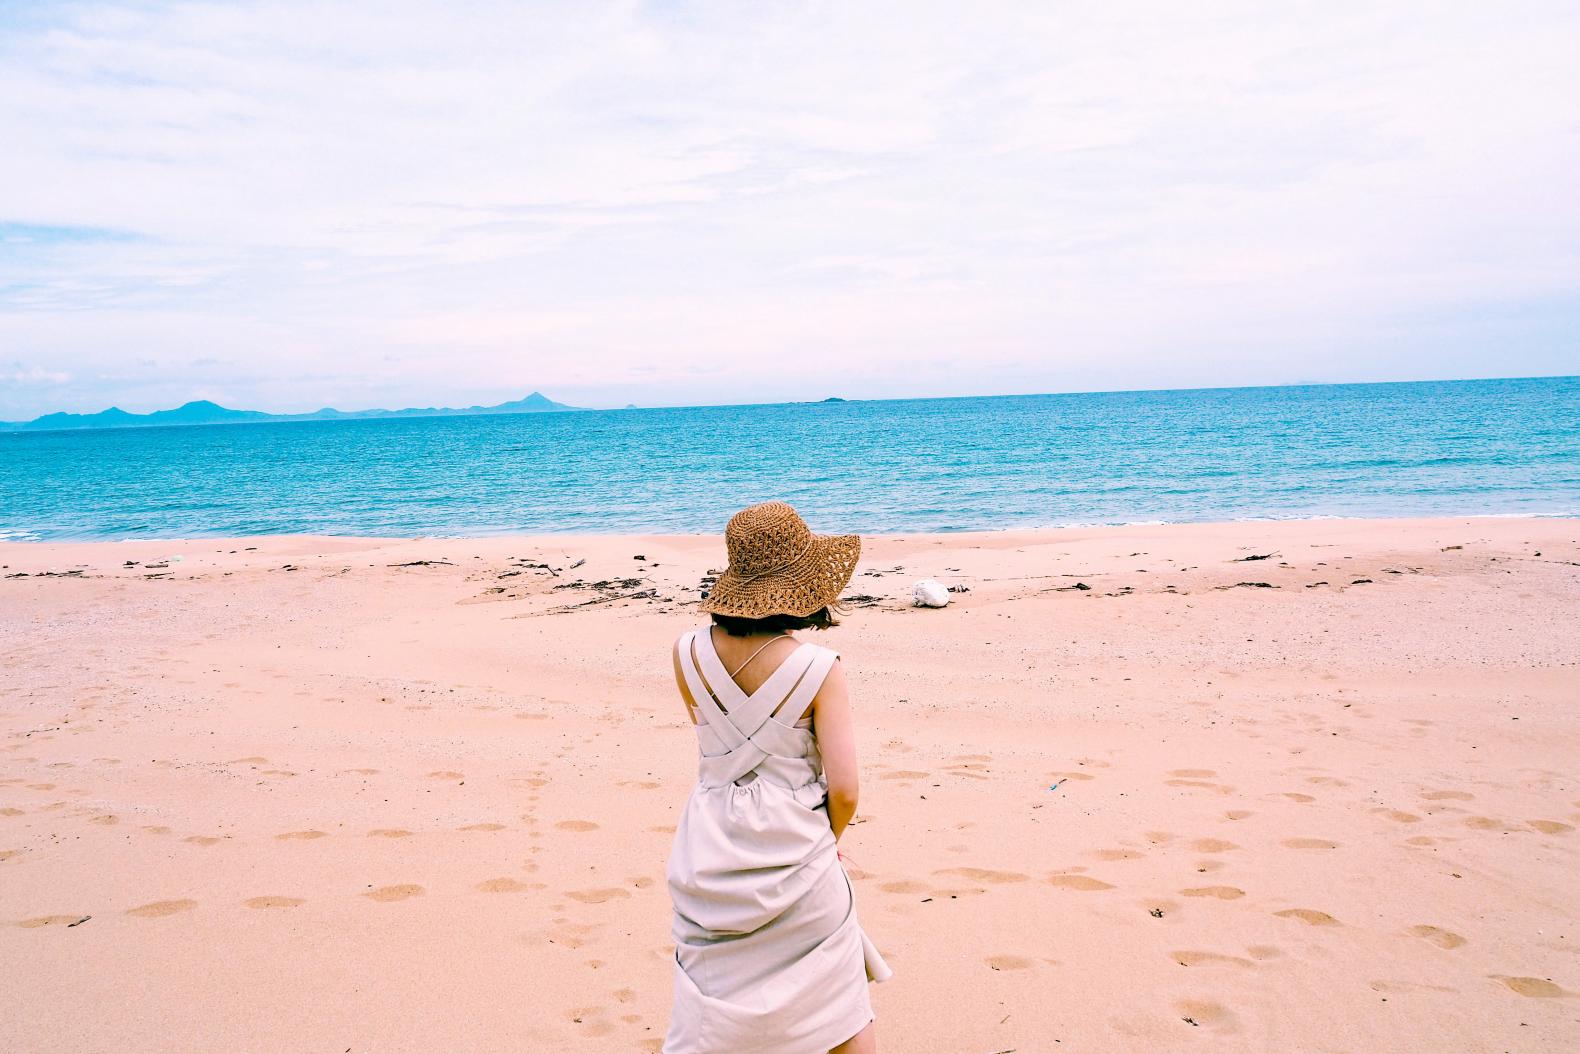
(769, 957)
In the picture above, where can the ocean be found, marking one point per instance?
(1500, 447)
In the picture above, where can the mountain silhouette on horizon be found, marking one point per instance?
(204, 412)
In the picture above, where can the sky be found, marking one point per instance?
(283, 206)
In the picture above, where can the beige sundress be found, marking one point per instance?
(769, 957)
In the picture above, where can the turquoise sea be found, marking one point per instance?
(1418, 449)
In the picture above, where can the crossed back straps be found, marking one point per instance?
(741, 721)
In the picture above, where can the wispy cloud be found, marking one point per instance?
(34, 375)
(354, 204)
(20, 236)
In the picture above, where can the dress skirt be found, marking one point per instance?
(797, 985)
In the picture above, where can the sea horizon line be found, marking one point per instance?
(308, 417)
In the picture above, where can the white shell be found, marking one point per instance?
(929, 593)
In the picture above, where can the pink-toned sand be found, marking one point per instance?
(306, 794)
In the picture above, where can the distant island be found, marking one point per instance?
(203, 412)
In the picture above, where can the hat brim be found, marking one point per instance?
(814, 581)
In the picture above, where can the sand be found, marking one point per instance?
(369, 795)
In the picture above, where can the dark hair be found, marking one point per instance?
(822, 618)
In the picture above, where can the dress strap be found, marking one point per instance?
(753, 655)
(800, 697)
(702, 695)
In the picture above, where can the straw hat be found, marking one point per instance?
(778, 566)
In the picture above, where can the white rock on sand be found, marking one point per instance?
(929, 593)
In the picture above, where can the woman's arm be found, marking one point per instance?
(836, 741)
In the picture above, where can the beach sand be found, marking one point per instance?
(319, 794)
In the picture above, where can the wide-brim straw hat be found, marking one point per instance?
(779, 567)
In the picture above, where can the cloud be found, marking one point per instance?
(35, 375)
(341, 203)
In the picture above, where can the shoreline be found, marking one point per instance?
(1250, 785)
(559, 536)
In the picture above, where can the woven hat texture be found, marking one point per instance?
(778, 566)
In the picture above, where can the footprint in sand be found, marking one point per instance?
(1309, 916)
(1308, 843)
(274, 902)
(1212, 845)
(303, 836)
(570, 935)
(202, 839)
(1204, 1013)
(446, 775)
(389, 832)
(1486, 823)
(903, 886)
(1327, 781)
(1447, 796)
(903, 774)
(483, 827)
(106, 819)
(386, 894)
(598, 896)
(1397, 815)
(6, 854)
(1081, 883)
(8, 811)
(1238, 814)
(1008, 962)
(1194, 774)
(1304, 799)
(53, 920)
(1535, 987)
(1208, 959)
(576, 825)
(160, 908)
(1216, 892)
(1118, 854)
(1551, 826)
(592, 1020)
(982, 874)
(1216, 788)
(1440, 937)
(502, 885)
